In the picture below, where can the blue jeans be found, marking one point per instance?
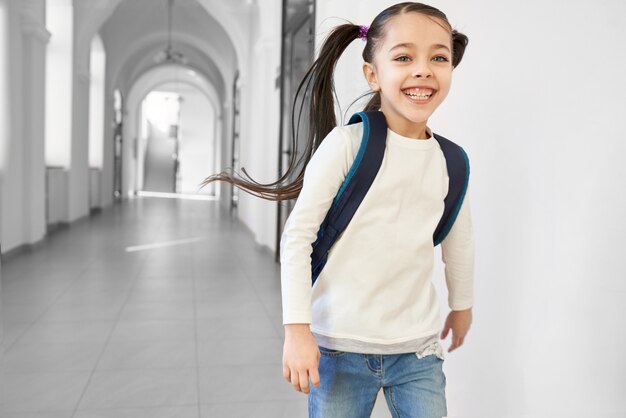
(350, 382)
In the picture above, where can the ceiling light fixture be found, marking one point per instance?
(168, 55)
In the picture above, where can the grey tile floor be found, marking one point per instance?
(188, 326)
(153, 308)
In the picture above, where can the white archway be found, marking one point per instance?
(148, 82)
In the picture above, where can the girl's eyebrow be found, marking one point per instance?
(411, 45)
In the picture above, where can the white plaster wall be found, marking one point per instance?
(538, 103)
(13, 193)
(4, 125)
(23, 194)
(198, 141)
(97, 68)
(59, 78)
(4, 86)
(4, 132)
(260, 122)
(33, 175)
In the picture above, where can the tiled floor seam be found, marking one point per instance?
(195, 329)
(43, 313)
(106, 343)
(258, 296)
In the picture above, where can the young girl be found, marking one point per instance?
(371, 320)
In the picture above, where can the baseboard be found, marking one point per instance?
(50, 229)
(22, 249)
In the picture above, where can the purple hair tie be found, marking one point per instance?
(363, 32)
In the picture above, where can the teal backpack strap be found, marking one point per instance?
(354, 187)
(458, 167)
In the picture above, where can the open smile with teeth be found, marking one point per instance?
(419, 94)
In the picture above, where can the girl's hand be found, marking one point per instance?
(459, 322)
(301, 357)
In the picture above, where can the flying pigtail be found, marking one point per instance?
(318, 90)
(323, 95)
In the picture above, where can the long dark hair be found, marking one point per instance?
(318, 88)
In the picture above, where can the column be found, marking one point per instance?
(35, 37)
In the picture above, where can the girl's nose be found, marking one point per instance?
(422, 71)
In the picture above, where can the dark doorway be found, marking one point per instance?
(298, 50)
(118, 125)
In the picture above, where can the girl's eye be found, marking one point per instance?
(402, 58)
(443, 59)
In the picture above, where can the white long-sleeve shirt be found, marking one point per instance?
(375, 294)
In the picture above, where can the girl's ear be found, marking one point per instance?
(370, 76)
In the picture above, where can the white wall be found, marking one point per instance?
(67, 107)
(198, 143)
(97, 68)
(59, 78)
(4, 86)
(13, 217)
(260, 123)
(5, 119)
(4, 131)
(538, 103)
(23, 205)
(32, 140)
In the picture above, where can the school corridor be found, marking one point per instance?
(126, 289)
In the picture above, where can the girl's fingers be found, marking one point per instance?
(295, 381)
(315, 377)
(304, 382)
(444, 333)
(456, 343)
(286, 373)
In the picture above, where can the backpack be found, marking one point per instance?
(361, 175)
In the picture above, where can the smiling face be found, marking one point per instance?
(412, 71)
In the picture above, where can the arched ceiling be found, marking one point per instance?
(212, 41)
(135, 64)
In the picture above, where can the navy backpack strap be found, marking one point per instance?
(354, 187)
(458, 174)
